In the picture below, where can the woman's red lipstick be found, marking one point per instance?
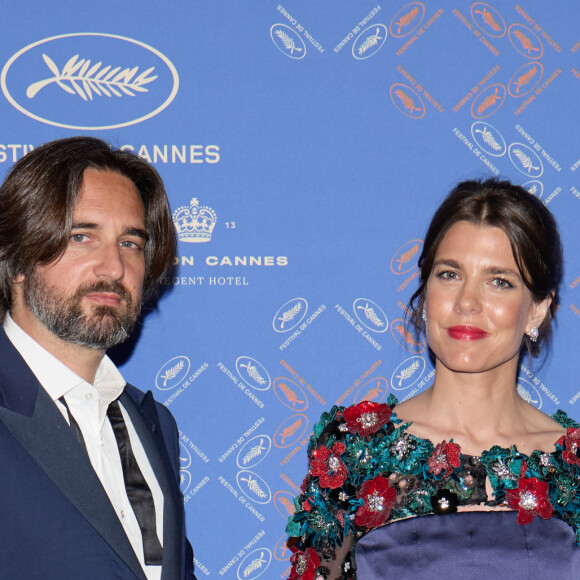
(462, 332)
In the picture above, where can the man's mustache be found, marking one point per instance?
(108, 287)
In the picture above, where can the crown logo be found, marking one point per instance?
(194, 223)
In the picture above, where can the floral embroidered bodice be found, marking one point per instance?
(366, 470)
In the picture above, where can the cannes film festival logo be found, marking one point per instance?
(290, 430)
(254, 487)
(408, 373)
(288, 41)
(534, 187)
(370, 315)
(526, 41)
(529, 393)
(407, 19)
(184, 456)
(525, 79)
(254, 564)
(369, 42)
(405, 333)
(172, 373)
(488, 101)
(405, 258)
(290, 394)
(407, 100)
(254, 451)
(253, 373)
(488, 139)
(290, 315)
(525, 160)
(488, 19)
(89, 81)
(374, 389)
(194, 223)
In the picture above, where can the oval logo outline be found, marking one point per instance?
(488, 103)
(253, 372)
(289, 314)
(246, 573)
(406, 101)
(370, 44)
(408, 372)
(528, 388)
(534, 187)
(524, 41)
(370, 313)
(257, 494)
(257, 451)
(375, 398)
(407, 19)
(174, 371)
(297, 425)
(405, 257)
(525, 78)
(488, 141)
(280, 500)
(287, 42)
(184, 480)
(489, 20)
(407, 337)
(525, 161)
(184, 461)
(289, 397)
(30, 114)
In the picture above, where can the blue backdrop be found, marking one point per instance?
(304, 147)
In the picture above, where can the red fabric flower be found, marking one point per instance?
(304, 565)
(367, 417)
(530, 499)
(327, 465)
(445, 457)
(571, 443)
(379, 498)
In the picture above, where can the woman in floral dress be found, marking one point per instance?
(467, 479)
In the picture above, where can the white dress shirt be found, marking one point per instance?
(88, 404)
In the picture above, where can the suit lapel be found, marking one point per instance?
(34, 420)
(146, 423)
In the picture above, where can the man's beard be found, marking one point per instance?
(101, 328)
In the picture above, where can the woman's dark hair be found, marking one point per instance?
(38, 198)
(529, 226)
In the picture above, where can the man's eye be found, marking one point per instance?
(78, 237)
(130, 244)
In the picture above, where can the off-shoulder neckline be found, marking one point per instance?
(559, 416)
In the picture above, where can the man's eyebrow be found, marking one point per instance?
(129, 231)
(138, 232)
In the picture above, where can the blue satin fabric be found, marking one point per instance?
(469, 545)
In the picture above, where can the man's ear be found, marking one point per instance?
(18, 279)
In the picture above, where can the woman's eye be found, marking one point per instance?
(78, 237)
(502, 283)
(447, 275)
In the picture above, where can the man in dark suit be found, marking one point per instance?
(89, 476)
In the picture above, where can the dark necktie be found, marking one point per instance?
(74, 425)
(138, 491)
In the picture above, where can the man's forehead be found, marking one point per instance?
(109, 195)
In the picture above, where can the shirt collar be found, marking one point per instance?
(56, 378)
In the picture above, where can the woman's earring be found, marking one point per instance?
(533, 334)
(424, 315)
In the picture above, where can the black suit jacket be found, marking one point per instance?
(56, 520)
